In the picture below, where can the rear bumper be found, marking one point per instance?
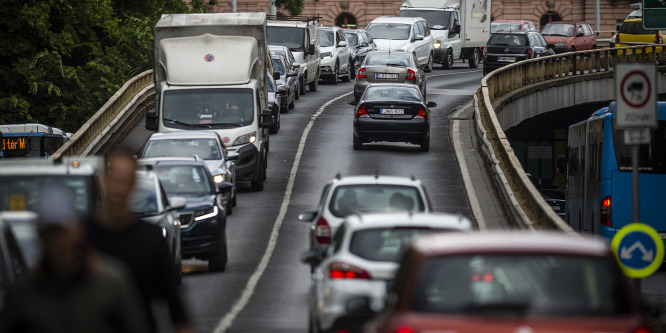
(333, 315)
(412, 130)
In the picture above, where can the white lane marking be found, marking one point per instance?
(228, 319)
(445, 74)
(467, 179)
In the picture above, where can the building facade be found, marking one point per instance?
(360, 13)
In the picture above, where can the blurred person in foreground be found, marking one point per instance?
(73, 289)
(140, 245)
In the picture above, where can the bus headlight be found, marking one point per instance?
(247, 138)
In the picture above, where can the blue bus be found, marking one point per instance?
(30, 140)
(599, 176)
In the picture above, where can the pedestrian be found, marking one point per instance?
(73, 289)
(140, 245)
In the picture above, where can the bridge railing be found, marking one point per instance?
(110, 118)
(502, 84)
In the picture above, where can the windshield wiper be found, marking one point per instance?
(178, 122)
(395, 65)
(228, 125)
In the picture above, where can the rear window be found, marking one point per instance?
(184, 179)
(635, 28)
(508, 39)
(385, 244)
(208, 149)
(387, 60)
(508, 27)
(348, 199)
(352, 39)
(392, 94)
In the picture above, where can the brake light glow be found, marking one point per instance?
(642, 329)
(658, 39)
(487, 277)
(606, 211)
(530, 52)
(411, 75)
(404, 330)
(361, 73)
(485, 51)
(323, 231)
(362, 112)
(422, 114)
(339, 270)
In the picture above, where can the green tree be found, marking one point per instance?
(294, 7)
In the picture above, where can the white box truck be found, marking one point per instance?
(210, 74)
(459, 27)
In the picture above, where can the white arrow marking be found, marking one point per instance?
(625, 253)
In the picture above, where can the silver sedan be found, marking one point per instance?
(389, 67)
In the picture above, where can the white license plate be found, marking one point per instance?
(662, 235)
(385, 76)
(392, 111)
(506, 59)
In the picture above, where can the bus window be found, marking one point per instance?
(652, 157)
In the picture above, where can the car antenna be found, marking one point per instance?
(338, 176)
(413, 177)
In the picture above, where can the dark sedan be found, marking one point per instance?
(507, 48)
(287, 81)
(392, 112)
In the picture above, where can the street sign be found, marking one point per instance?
(639, 250)
(640, 136)
(654, 14)
(635, 95)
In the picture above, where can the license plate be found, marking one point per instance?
(662, 235)
(506, 59)
(392, 111)
(385, 76)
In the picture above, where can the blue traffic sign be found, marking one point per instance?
(639, 250)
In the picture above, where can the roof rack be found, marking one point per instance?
(301, 18)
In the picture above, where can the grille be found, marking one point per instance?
(186, 219)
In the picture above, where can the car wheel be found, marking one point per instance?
(297, 95)
(425, 145)
(448, 60)
(430, 63)
(276, 126)
(291, 105)
(234, 200)
(218, 263)
(302, 89)
(179, 273)
(229, 207)
(358, 144)
(314, 84)
(474, 59)
(258, 185)
(336, 72)
(352, 70)
(594, 47)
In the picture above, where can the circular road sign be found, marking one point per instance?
(635, 89)
(639, 250)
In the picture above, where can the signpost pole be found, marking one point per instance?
(637, 213)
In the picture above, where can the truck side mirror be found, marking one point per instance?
(151, 120)
(311, 49)
(276, 75)
(266, 118)
(455, 29)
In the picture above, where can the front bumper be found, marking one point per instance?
(327, 66)
(439, 55)
(248, 159)
(404, 130)
(200, 239)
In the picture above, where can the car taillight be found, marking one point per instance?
(411, 75)
(361, 74)
(642, 329)
(340, 270)
(487, 277)
(404, 330)
(422, 114)
(530, 52)
(323, 231)
(485, 51)
(606, 211)
(361, 112)
(658, 39)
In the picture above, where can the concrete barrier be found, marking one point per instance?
(522, 90)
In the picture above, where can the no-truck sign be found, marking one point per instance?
(635, 95)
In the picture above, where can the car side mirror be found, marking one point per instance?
(311, 257)
(307, 217)
(353, 102)
(364, 44)
(419, 37)
(311, 49)
(276, 75)
(232, 156)
(281, 92)
(580, 34)
(151, 120)
(225, 187)
(292, 74)
(342, 43)
(431, 104)
(177, 203)
(266, 118)
(295, 66)
(454, 30)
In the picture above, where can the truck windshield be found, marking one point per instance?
(437, 19)
(208, 108)
(290, 37)
(395, 31)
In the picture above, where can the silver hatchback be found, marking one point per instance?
(389, 67)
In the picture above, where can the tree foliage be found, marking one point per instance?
(61, 60)
(294, 7)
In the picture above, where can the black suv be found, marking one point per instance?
(203, 221)
(504, 48)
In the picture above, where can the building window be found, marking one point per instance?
(549, 17)
(346, 20)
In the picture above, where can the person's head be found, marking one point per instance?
(119, 179)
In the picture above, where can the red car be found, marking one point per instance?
(508, 282)
(569, 36)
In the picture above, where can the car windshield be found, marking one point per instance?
(436, 19)
(635, 28)
(507, 39)
(395, 31)
(208, 108)
(566, 30)
(505, 26)
(387, 59)
(388, 93)
(520, 285)
(385, 244)
(184, 179)
(349, 199)
(290, 37)
(352, 39)
(207, 149)
(22, 192)
(143, 201)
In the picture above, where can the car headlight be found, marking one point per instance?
(561, 44)
(281, 87)
(247, 138)
(219, 178)
(437, 43)
(205, 214)
(324, 55)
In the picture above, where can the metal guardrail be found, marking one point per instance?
(96, 131)
(504, 83)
